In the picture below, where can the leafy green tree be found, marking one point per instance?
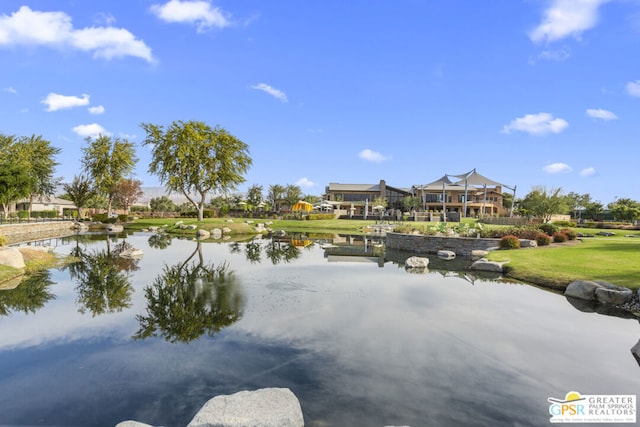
(79, 191)
(98, 201)
(410, 202)
(292, 194)
(107, 161)
(193, 158)
(127, 192)
(275, 196)
(593, 210)
(254, 195)
(39, 157)
(542, 203)
(577, 203)
(162, 204)
(15, 183)
(625, 209)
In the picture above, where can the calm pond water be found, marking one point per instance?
(359, 340)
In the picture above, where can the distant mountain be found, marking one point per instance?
(155, 192)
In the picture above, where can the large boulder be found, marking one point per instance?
(11, 257)
(267, 407)
(528, 243)
(635, 350)
(130, 423)
(617, 295)
(447, 255)
(202, 234)
(583, 289)
(603, 292)
(477, 254)
(114, 228)
(416, 262)
(485, 265)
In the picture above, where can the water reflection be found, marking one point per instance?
(190, 299)
(30, 295)
(160, 241)
(102, 277)
(358, 344)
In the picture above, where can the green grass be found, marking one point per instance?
(613, 259)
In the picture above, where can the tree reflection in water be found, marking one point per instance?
(160, 241)
(281, 251)
(29, 296)
(103, 278)
(190, 299)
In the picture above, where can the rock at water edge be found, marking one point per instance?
(416, 262)
(267, 407)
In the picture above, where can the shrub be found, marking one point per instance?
(528, 233)
(571, 235)
(559, 237)
(123, 218)
(103, 217)
(3, 240)
(509, 242)
(209, 213)
(549, 228)
(320, 216)
(543, 239)
(23, 214)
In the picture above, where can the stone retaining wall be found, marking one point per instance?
(462, 246)
(34, 231)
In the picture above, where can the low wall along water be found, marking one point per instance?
(26, 232)
(462, 246)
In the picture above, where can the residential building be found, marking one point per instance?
(360, 197)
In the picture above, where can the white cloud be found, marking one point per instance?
(278, 94)
(554, 168)
(536, 124)
(91, 130)
(98, 109)
(633, 88)
(371, 156)
(55, 101)
(10, 89)
(304, 182)
(587, 172)
(565, 18)
(55, 30)
(200, 13)
(601, 114)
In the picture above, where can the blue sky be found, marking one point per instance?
(528, 92)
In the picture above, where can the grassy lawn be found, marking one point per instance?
(613, 259)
